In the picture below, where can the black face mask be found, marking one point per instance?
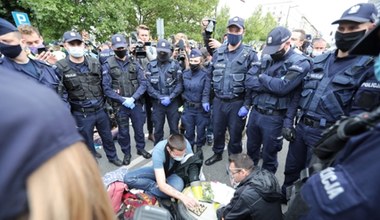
(278, 55)
(163, 57)
(120, 53)
(344, 42)
(11, 51)
(195, 67)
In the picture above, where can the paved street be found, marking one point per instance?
(216, 172)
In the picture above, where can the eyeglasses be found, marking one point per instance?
(231, 173)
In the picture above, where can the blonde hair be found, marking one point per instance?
(28, 29)
(68, 186)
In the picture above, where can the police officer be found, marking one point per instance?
(196, 93)
(275, 83)
(124, 84)
(15, 57)
(230, 65)
(329, 88)
(82, 88)
(164, 78)
(347, 189)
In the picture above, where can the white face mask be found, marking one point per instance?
(234, 184)
(179, 158)
(316, 52)
(76, 52)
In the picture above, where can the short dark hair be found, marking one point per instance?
(242, 161)
(176, 142)
(303, 33)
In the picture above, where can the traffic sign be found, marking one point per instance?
(20, 18)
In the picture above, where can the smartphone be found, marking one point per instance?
(41, 49)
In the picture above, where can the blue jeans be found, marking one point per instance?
(144, 178)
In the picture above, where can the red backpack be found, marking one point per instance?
(124, 202)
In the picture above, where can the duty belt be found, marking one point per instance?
(231, 100)
(270, 111)
(193, 104)
(87, 110)
(315, 123)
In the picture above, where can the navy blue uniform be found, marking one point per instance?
(82, 89)
(164, 80)
(35, 70)
(349, 189)
(126, 79)
(229, 69)
(276, 89)
(196, 90)
(35, 126)
(326, 96)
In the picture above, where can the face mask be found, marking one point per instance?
(234, 39)
(76, 52)
(163, 57)
(178, 158)
(11, 51)
(194, 67)
(344, 42)
(316, 52)
(278, 55)
(120, 53)
(34, 50)
(377, 68)
(234, 184)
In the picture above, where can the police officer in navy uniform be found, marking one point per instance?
(124, 83)
(275, 83)
(196, 95)
(81, 78)
(164, 77)
(349, 187)
(329, 88)
(15, 57)
(230, 65)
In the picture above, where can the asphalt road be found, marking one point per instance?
(215, 172)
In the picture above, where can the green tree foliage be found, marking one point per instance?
(54, 17)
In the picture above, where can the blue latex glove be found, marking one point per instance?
(165, 101)
(206, 106)
(243, 111)
(129, 103)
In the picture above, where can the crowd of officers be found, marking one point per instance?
(283, 93)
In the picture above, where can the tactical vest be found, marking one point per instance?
(125, 82)
(269, 100)
(330, 95)
(164, 86)
(229, 75)
(82, 86)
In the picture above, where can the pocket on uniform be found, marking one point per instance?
(305, 98)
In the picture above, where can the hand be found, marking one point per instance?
(206, 106)
(243, 111)
(189, 202)
(129, 102)
(165, 101)
(214, 44)
(47, 57)
(289, 134)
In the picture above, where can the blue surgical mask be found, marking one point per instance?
(234, 39)
(377, 68)
(76, 52)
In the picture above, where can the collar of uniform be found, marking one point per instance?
(239, 48)
(348, 57)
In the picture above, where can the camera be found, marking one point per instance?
(140, 51)
(207, 35)
(181, 48)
